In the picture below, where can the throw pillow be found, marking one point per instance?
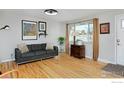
(49, 46)
(23, 48)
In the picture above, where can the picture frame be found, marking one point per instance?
(105, 28)
(42, 26)
(29, 30)
(122, 23)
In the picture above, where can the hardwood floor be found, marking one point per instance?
(62, 66)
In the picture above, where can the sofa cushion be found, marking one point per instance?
(35, 47)
(29, 47)
(23, 48)
(42, 52)
(43, 46)
(28, 54)
(50, 51)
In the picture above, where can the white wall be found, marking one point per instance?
(107, 41)
(10, 38)
(88, 50)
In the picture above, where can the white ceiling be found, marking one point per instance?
(64, 15)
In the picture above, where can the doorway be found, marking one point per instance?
(120, 39)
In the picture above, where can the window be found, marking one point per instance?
(84, 32)
(90, 32)
(71, 30)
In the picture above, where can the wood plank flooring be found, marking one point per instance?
(62, 66)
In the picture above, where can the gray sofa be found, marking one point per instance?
(36, 52)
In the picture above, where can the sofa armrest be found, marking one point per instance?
(17, 53)
(55, 49)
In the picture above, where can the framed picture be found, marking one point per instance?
(42, 26)
(105, 28)
(29, 30)
(122, 23)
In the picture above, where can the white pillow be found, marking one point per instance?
(23, 48)
(49, 46)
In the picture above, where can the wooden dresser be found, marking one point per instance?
(78, 51)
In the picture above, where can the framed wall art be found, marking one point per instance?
(122, 23)
(29, 30)
(105, 28)
(42, 26)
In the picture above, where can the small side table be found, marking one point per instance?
(78, 51)
(0, 72)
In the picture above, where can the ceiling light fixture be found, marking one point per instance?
(51, 12)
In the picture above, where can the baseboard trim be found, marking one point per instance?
(105, 61)
(102, 60)
(89, 57)
(7, 60)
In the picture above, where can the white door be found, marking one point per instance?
(120, 39)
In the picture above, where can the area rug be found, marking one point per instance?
(115, 69)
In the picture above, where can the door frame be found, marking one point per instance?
(116, 36)
(116, 39)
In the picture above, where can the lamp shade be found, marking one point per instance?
(75, 33)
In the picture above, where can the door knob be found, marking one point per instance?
(118, 44)
(118, 40)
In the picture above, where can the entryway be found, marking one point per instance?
(120, 39)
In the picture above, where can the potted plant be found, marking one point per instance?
(61, 41)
